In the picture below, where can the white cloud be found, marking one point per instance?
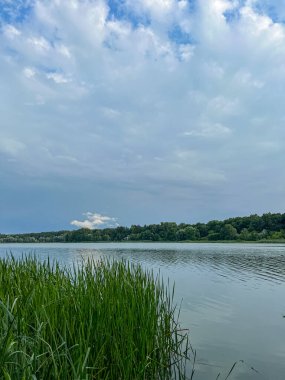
(124, 95)
(39, 43)
(11, 147)
(186, 51)
(209, 130)
(29, 72)
(62, 49)
(95, 220)
(245, 78)
(11, 31)
(58, 78)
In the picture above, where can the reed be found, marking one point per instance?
(99, 320)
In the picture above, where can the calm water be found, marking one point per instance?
(233, 298)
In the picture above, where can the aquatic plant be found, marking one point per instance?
(96, 320)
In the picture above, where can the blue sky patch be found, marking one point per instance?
(15, 11)
(271, 10)
(118, 10)
(177, 35)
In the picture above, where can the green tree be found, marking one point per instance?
(228, 232)
(244, 235)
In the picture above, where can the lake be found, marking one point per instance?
(233, 297)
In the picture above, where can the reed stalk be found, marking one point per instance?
(98, 320)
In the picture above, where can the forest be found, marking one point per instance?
(267, 227)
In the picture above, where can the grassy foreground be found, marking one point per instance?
(106, 320)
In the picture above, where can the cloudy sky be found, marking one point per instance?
(140, 111)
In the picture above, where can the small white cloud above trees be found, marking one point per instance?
(95, 220)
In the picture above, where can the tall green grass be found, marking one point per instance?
(99, 320)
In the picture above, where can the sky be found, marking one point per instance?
(129, 112)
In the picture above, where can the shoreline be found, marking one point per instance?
(153, 242)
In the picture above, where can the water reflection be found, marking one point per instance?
(233, 298)
(237, 266)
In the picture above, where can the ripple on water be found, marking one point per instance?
(233, 297)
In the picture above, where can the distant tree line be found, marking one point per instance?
(250, 228)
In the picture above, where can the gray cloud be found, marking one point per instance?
(93, 98)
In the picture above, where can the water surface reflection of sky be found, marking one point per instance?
(233, 297)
